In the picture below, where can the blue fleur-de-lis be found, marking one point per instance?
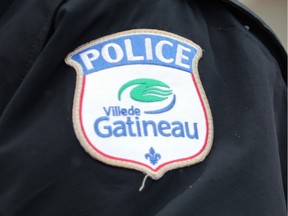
(153, 156)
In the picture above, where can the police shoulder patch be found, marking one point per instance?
(139, 102)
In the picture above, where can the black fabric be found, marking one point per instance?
(43, 169)
(258, 27)
(4, 4)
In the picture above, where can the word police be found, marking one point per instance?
(138, 49)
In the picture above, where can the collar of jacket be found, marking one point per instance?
(262, 31)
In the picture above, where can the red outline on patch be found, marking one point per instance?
(135, 162)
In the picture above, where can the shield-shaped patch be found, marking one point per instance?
(139, 102)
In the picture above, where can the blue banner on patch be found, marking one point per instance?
(142, 48)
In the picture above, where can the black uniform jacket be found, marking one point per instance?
(44, 171)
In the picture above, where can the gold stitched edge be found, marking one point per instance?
(77, 95)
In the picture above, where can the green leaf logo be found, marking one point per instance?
(146, 90)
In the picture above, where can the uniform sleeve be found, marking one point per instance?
(24, 28)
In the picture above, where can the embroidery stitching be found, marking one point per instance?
(144, 90)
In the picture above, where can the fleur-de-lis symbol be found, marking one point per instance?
(153, 156)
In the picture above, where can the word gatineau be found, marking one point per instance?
(133, 126)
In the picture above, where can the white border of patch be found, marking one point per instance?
(159, 172)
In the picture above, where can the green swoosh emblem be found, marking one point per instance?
(146, 90)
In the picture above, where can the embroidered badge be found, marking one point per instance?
(139, 102)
